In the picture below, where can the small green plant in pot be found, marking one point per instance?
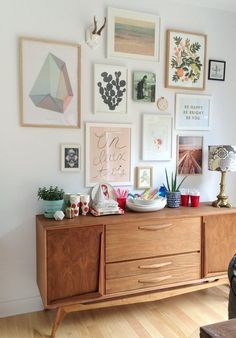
(52, 200)
(172, 190)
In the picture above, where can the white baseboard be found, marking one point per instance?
(20, 306)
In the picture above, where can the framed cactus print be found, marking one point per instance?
(110, 89)
(185, 60)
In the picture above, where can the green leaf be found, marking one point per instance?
(167, 181)
(181, 183)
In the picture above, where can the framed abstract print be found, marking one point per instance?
(49, 83)
(133, 35)
(189, 155)
(70, 157)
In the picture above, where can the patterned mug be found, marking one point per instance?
(75, 204)
(84, 203)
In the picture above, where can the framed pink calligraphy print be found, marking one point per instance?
(108, 153)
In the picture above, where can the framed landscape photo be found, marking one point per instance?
(49, 83)
(144, 177)
(108, 153)
(192, 112)
(185, 60)
(157, 140)
(133, 35)
(189, 155)
(144, 86)
(70, 157)
(216, 70)
(110, 89)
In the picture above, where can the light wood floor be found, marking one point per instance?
(179, 317)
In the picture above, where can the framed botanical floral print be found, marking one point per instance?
(144, 177)
(185, 60)
(110, 89)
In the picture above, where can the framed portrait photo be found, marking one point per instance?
(108, 153)
(144, 86)
(133, 35)
(189, 155)
(157, 139)
(192, 112)
(185, 60)
(49, 83)
(110, 89)
(144, 177)
(216, 70)
(70, 157)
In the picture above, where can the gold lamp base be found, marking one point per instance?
(222, 199)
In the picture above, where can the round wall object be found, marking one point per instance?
(162, 103)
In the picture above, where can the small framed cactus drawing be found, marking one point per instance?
(185, 60)
(110, 89)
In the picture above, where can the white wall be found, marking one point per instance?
(29, 157)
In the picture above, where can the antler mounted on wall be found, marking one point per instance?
(93, 34)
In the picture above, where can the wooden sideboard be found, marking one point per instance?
(92, 262)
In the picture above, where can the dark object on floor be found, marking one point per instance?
(232, 292)
(225, 329)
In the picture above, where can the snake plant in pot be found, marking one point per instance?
(172, 190)
(52, 200)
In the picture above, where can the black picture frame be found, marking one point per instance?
(216, 70)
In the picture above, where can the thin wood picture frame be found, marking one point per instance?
(108, 153)
(144, 177)
(50, 74)
(185, 60)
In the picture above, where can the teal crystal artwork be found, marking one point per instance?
(52, 89)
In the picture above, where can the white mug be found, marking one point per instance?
(75, 204)
(84, 203)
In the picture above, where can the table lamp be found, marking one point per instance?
(222, 158)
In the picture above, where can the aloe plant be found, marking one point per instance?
(171, 184)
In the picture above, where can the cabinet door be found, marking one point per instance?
(219, 243)
(75, 263)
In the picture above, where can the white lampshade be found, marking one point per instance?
(222, 158)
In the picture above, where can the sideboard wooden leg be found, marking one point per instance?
(59, 317)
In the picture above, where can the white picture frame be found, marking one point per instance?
(110, 89)
(157, 137)
(193, 112)
(108, 153)
(70, 157)
(133, 35)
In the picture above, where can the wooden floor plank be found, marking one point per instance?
(176, 317)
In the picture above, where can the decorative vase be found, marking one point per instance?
(50, 207)
(173, 199)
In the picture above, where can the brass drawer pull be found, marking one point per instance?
(154, 280)
(154, 266)
(154, 227)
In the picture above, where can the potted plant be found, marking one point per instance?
(172, 190)
(52, 200)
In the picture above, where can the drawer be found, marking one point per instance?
(152, 272)
(137, 240)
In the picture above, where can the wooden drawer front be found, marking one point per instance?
(153, 272)
(152, 265)
(150, 239)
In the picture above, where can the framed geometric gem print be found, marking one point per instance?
(49, 83)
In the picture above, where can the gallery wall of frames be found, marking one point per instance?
(50, 96)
